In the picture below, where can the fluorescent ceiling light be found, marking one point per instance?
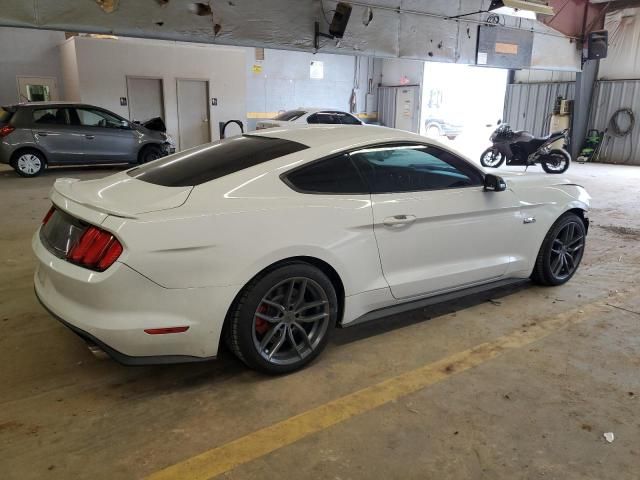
(529, 5)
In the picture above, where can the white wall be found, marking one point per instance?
(26, 52)
(394, 69)
(623, 56)
(103, 65)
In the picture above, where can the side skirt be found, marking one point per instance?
(441, 298)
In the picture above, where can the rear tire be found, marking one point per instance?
(561, 251)
(271, 327)
(29, 163)
(149, 153)
(556, 161)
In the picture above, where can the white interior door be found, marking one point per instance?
(37, 89)
(145, 98)
(193, 113)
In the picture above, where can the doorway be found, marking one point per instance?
(37, 89)
(146, 99)
(461, 105)
(193, 113)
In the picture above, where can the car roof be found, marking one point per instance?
(52, 104)
(316, 110)
(320, 135)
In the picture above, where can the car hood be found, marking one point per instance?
(121, 195)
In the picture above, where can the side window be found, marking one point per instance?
(333, 175)
(51, 116)
(324, 117)
(349, 119)
(411, 168)
(97, 118)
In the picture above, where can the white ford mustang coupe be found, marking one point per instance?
(270, 240)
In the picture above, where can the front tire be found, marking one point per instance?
(492, 158)
(283, 319)
(29, 163)
(561, 251)
(149, 153)
(557, 161)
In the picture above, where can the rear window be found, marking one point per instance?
(203, 164)
(290, 116)
(5, 114)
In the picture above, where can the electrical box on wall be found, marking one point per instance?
(504, 47)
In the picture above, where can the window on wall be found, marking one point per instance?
(410, 168)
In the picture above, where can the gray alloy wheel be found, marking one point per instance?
(290, 321)
(566, 250)
(283, 318)
(561, 251)
(29, 164)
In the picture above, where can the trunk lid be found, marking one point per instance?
(119, 195)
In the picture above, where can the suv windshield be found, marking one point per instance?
(205, 163)
(290, 116)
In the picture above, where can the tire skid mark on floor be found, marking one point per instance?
(252, 446)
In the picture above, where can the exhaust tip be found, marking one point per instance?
(97, 351)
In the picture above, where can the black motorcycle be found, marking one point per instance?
(522, 148)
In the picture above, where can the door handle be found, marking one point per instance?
(399, 220)
(42, 134)
(90, 137)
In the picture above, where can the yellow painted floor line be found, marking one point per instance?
(226, 457)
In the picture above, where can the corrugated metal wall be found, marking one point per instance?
(610, 96)
(528, 106)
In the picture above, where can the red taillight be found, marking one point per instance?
(6, 130)
(162, 331)
(97, 249)
(47, 217)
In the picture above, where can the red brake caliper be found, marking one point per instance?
(262, 325)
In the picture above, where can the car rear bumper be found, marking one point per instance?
(112, 310)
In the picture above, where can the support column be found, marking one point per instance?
(585, 82)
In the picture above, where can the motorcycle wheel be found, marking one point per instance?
(491, 158)
(557, 161)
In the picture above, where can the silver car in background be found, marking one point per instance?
(36, 135)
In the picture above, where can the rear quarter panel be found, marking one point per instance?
(231, 229)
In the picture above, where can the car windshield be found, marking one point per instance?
(290, 116)
(208, 162)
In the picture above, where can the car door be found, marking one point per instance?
(436, 227)
(60, 141)
(107, 137)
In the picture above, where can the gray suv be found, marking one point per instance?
(35, 135)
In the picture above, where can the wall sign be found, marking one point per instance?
(316, 70)
(123, 101)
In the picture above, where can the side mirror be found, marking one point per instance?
(494, 183)
(124, 124)
(499, 121)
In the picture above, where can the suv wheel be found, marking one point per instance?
(29, 163)
(149, 154)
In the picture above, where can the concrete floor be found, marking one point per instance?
(538, 411)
